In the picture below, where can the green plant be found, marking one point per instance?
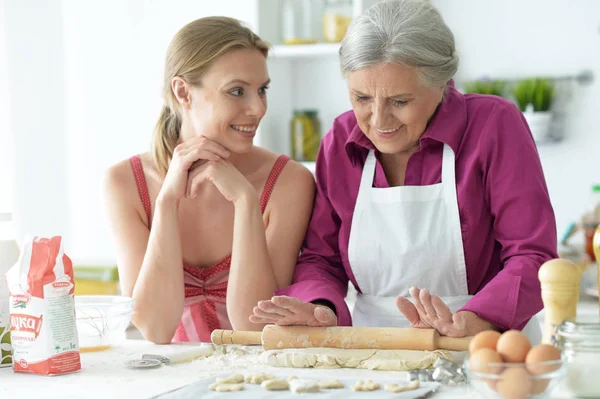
(485, 86)
(538, 92)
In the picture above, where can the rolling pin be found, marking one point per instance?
(284, 337)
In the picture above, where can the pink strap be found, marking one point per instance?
(140, 181)
(271, 180)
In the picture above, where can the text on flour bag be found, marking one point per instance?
(42, 309)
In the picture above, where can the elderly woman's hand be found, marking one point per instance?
(289, 311)
(429, 311)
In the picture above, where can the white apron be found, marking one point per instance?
(409, 236)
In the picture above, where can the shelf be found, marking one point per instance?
(305, 50)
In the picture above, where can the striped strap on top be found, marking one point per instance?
(140, 181)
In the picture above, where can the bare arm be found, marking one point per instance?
(150, 268)
(159, 290)
(150, 262)
(263, 261)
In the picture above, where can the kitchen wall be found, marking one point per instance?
(513, 38)
(84, 92)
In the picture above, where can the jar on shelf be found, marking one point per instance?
(298, 20)
(305, 135)
(580, 344)
(336, 18)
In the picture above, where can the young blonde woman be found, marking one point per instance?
(207, 224)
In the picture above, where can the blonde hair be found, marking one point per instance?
(193, 50)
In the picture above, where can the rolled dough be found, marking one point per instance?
(371, 359)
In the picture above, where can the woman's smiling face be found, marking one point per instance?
(231, 100)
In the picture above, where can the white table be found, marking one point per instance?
(103, 374)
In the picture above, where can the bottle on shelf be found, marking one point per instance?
(305, 135)
(591, 220)
(336, 18)
(298, 22)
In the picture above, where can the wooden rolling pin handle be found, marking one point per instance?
(225, 337)
(453, 344)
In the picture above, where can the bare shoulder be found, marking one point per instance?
(119, 181)
(294, 175)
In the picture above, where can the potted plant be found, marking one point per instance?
(485, 86)
(534, 98)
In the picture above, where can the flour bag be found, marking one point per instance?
(42, 309)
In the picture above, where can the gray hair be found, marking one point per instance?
(407, 32)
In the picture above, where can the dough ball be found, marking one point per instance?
(258, 378)
(225, 387)
(366, 385)
(395, 388)
(232, 379)
(330, 384)
(303, 386)
(275, 385)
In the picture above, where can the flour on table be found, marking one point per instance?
(303, 386)
(275, 385)
(221, 387)
(395, 388)
(371, 359)
(366, 385)
(229, 357)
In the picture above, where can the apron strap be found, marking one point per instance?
(366, 180)
(451, 198)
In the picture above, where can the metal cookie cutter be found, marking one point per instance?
(148, 361)
(162, 359)
(142, 364)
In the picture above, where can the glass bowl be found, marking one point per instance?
(101, 320)
(515, 380)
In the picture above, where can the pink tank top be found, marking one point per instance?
(205, 288)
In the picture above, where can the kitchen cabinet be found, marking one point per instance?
(304, 76)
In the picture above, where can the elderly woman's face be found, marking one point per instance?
(392, 105)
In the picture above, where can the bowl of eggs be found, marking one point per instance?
(507, 366)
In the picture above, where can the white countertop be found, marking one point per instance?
(104, 375)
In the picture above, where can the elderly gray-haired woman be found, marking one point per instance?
(433, 203)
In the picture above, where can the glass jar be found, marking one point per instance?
(336, 18)
(305, 135)
(580, 344)
(298, 22)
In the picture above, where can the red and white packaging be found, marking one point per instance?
(42, 309)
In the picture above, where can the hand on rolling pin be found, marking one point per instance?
(429, 311)
(289, 311)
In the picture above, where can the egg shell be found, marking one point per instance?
(514, 383)
(540, 354)
(513, 346)
(539, 386)
(481, 360)
(484, 339)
